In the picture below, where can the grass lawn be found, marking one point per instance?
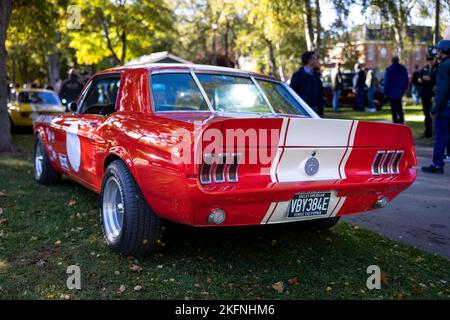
(413, 116)
(44, 229)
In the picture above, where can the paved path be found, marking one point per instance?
(420, 216)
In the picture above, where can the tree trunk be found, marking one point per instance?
(436, 22)
(317, 40)
(6, 144)
(399, 40)
(272, 61)
(309, 29)
(53, 68)
(225, 39)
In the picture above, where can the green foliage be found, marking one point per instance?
(121, 30)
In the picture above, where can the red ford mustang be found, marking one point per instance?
(210, 146)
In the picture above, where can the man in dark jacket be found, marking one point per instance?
(427, 80)
(360, 86)
(441, 108)
(395, 84)
(307, 84)
(70, 88)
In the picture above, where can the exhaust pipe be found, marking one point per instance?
(381, 203)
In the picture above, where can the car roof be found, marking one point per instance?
(184, 66)
(33, 90)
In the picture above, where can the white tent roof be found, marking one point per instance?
(156, 57)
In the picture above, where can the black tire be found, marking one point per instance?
(320, 224)
(141, 227)
(46, 174)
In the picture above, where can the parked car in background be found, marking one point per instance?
(348, 97)
(209, 146)
(25, 105)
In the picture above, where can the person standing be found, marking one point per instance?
(441, 109)
(416, 85)
(395, 85)
(372, 85)
(70, 88)
(359, 86)
(427, 80)
(336, 85)
(307, 84)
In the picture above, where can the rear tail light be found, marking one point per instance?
(387, 162)
(232, 172)
(219, 168)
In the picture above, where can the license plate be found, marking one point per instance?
(309, 204)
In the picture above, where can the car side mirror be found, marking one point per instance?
(73, 106)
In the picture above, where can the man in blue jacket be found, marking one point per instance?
(441, 108)
(395, 84)
(307, 84)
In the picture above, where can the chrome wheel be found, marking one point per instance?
(113, 209)
(38, 161)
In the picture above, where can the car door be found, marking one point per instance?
(83, 129)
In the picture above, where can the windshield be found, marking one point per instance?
(38, 97)
(179, 91)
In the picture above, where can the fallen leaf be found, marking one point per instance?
(135, 268)
(72, 202)
(57, 242)
(64, 297)
(33, 238)
(384, 279)
(121, 289)
(293, 280)
(40, 262)
(138, 288)
(416, 290)
(397, 295)
(116, 273)
(50, 296)
(328, 289)
(1, 211)
(278, 286)
(2, 194)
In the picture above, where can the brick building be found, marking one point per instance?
(376, 47)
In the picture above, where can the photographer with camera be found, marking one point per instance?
(441, 108)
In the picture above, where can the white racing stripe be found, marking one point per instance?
(330, 141)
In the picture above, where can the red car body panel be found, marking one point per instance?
(81, 146)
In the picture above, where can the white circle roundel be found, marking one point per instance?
(73, 146)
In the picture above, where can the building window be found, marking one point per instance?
(371, 53)
(383, 53)
(418, 54)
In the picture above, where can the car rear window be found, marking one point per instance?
(281, 100)
(233, 93)
(176, 92)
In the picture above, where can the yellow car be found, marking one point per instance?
(26, 105)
